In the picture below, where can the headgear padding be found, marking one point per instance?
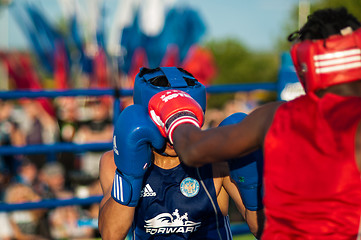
(326, 62)
(144, 89)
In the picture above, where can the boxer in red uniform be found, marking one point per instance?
(311, 145)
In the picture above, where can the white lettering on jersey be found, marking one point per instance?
(166, 223)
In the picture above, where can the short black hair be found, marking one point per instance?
(162, 81)
(324, 23)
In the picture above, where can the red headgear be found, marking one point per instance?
(326, 62)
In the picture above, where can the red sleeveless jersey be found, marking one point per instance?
(312, 183)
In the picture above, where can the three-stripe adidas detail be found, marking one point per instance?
(118, 188)
(337, 61)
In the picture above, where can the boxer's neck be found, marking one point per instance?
(165, 162)
(345, 89)
(168, 159)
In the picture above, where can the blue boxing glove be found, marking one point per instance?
(134, 136)
(247, 171)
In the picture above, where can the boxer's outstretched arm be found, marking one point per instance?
(114, 219)
(196, 147)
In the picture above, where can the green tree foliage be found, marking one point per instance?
(353, 6)
(236, 64)
(5, 2)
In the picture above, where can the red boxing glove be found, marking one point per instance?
(170, 108)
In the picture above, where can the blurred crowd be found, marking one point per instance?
(63, 175)
(41, 176)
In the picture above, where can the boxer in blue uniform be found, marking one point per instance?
(152, 194)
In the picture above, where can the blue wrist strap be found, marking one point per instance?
(126, 189)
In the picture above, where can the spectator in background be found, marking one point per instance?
(27, 173)
(67, 109)
(93, 211)
(5, 178)
(39, 127)
(52, 178)
(99, 128)
(63, 220)
(26, 224)
(42, 127)
(6, 230)
(67, 116)
(10, 134)
(90, 212)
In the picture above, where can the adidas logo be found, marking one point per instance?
(147, 191)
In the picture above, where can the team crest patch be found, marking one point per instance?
(189, 187)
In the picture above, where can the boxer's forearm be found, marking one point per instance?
(115, 220)
(255, 221)
(186, 137)
(196, 147)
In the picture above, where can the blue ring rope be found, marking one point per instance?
(244, 87)
(228, 88)
(50, 203)
(66, 93)
(56, 147)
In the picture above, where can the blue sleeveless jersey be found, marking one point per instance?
(179, 203)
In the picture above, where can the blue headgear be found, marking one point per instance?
(144, 90)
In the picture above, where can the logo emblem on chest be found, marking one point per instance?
(189, 187)
(147, 191)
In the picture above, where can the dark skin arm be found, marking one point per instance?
(196, 147)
